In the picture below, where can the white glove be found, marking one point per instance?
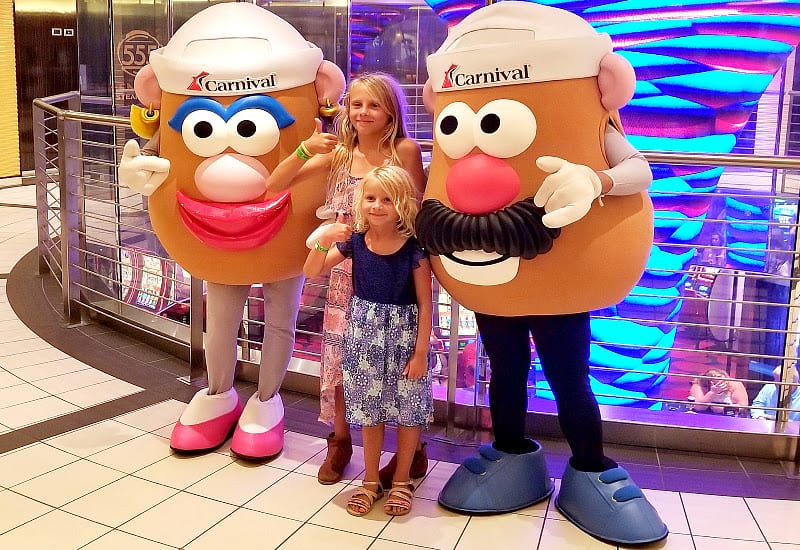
(567, 193)
(142, 173)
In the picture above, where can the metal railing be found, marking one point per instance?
(95, 238)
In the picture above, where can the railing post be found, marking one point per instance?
(71, 217)
(196, 356)
(452, 368)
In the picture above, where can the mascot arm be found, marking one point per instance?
(630, 171)
(140, 171)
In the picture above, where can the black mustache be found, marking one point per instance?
(515, 231)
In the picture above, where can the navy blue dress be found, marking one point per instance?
(381, 337)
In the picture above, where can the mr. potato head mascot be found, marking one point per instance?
(238, 89)
(536, 213)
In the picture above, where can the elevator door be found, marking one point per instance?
(47, 64)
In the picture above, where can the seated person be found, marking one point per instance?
(717, 392)
(767, 398)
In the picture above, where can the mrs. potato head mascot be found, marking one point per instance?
(238, 88)
(536, 213)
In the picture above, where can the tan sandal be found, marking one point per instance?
(360, 502)
(399, 498)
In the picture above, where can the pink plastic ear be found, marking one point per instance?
(330, 83)
(147, 88)
(617, 81)
(428, 97)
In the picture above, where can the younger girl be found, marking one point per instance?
(371, 132)
(386, 341)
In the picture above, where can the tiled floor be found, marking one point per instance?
(85, 459)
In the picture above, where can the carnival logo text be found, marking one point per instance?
(202, 83)
(455, 79)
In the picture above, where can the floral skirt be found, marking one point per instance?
(379, 340)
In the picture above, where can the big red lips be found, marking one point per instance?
(231, 226)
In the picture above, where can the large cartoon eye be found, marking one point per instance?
(454, 130)
(204, 133)
(253, 132)
(504, 128)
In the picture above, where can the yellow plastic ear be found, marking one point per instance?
(144, 122)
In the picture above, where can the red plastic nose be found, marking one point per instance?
(479, 184)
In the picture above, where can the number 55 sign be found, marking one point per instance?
(134, 51)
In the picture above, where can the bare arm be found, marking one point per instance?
(418, 363)
(410, 155)
(325, 254)
(294, 168)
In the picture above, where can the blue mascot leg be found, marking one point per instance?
(596, 495)
(511, 473)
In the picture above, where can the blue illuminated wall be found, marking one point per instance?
(701, 68)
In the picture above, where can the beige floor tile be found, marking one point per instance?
(392, 545)
(670, 507)
(428, 524)
(773, 519)
(297, 449)
(36, 357)
(17, 509)
(67, 483)
(51, 369)
(178, 520)
(503, 531)
(20, 393)
(242, 528)
(709, 543)
(117, 540)
(560, 535)
(155, 416)
(54, 530)
(135, 454)
(309, 537)
(99, 393)
(94, 438)
(674, 541)
(28, 462)
(35, 411)
(237, 482)
(438, 474)
(295, 496)
(180, 471)
(718, 516)
(72, 381)
(120, 501)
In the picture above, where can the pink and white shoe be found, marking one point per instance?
(259, 433)
(207, 422)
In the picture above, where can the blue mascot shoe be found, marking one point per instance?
(609, 506)
(495, 482)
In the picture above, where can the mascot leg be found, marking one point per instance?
(511, 473)
(212, 413)
(596, 495)
(259, 433)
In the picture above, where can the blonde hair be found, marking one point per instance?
(396, 183)
(387, 92)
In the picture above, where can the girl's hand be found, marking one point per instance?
(320, 142)
(719, 387)
(336, 233)
(416, 367)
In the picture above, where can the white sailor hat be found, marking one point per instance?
(514, 42)
(235, 48)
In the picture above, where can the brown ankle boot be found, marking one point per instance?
(419, 467)
(339, 453)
